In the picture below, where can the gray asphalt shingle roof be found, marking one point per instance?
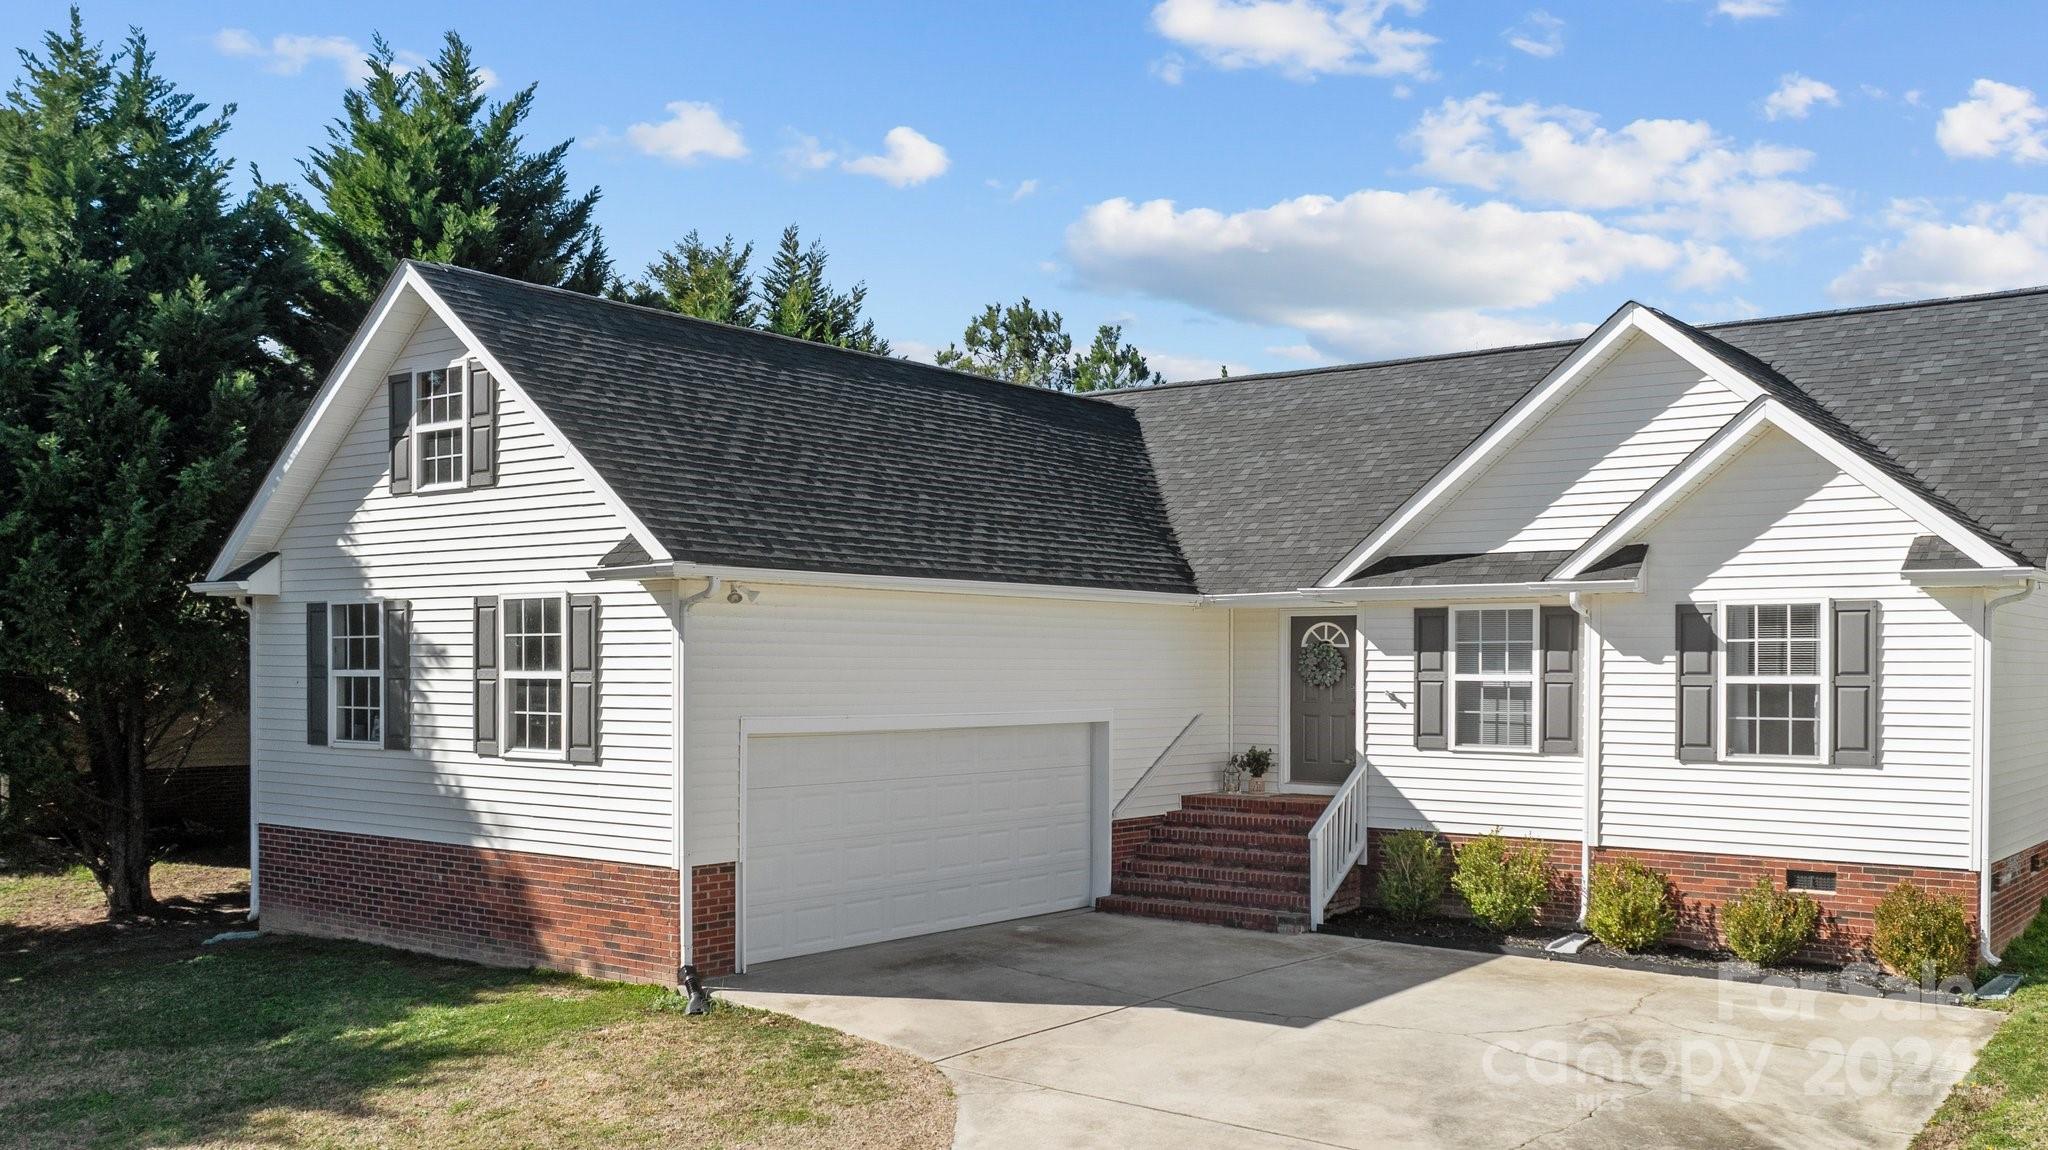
(742, 448)
(1449, 570)
(738, 447)
(1271, 480)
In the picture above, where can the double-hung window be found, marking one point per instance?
(1773, 680)
(440, 427)
(1493, 676)
(534, 677)
(356, 667)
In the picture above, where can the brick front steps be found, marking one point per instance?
(1223, 860)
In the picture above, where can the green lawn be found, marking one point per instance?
(139, 1036)
(2004, 1102)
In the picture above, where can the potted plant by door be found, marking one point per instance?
(1254, 762)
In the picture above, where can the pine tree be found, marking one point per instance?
(797, 300)
(149, 320)
(1025, 344)
(421, 166)
(1111, 363)
(697, 279)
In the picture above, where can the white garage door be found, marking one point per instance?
(862, 837)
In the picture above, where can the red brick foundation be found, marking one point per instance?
(714, 918)
(1704, 882)
(503, 908)
(1127, 835)
(2018, 884)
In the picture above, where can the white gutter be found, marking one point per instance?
(679, 808)
(1437, 591)
(1981, 814)
(1992, 577)
(647, 571)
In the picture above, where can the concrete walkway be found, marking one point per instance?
(1087, 1030)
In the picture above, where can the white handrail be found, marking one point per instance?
(1147, 773)
(1336, 842)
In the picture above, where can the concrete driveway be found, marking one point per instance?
(1095, 1030)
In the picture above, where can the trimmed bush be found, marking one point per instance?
(1415, 873)
(1504, 882)
(1922, 936)
(1766, 925)
(1629, 906)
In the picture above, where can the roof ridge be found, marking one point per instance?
(741, 329)
(1403, 361)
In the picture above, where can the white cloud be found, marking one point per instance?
(1299, 38)
(1707, 266)
(1176, 367)
(907, 158)
(1750, 9)
(915, 349)
(1674, 173)
(692, 131)
(1298, 352)
(1539, 34)
(288, 55)
(1796, 95)
(805, 154)
(1170, 68)
(1997, 119)
(1376, 272)
(1023, 188)
(2003, 244)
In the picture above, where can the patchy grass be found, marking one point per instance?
(138, 1036)
(2004, 1101)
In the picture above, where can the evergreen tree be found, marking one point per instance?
(797, 300)
(697, 279)
(148, 323)
(1019, 343)
(1025, 344)
(420, 166)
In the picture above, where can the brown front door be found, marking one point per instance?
(1323, 720)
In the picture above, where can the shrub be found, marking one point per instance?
(1923, 936)
(1766, 925)
(1414, 874)
(1504, 883)
(1629, 905)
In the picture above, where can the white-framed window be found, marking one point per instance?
(536, 689)
(440, 429)
(1771, 684)
(356, 673)
(1493, 677)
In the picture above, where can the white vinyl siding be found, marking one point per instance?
(1640, 414)
(542, 526)
(2019, 725)
(1781, 524)
(809, 651)
(1258, 705)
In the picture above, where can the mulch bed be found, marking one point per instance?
(1465, 934)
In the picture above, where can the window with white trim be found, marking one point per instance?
(1493, 677)
(356, 673)
(1772, 685)
(535, 686)
(440, 428)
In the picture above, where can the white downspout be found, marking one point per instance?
(248, 605)
(1982, 813)
(1589, 650)
(680, 806)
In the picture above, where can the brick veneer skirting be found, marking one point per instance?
(1127, 835)
(2018, 884)
(1703, 882)
(504, 908)
(714, 918)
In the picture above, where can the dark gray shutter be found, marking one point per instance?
(1854, 683)
(1698, 668)
(486, 694)
(1432, 666)
(483, 427)
(585, 633)
(1560, 634)
(397, 675)
(400, 389)
(316, 674)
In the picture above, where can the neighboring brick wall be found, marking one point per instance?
(714, 918)
(503, 908)
(2018, 884)
(1127, 835)
(1704, 882)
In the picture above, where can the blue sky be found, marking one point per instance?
(1260, 184)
